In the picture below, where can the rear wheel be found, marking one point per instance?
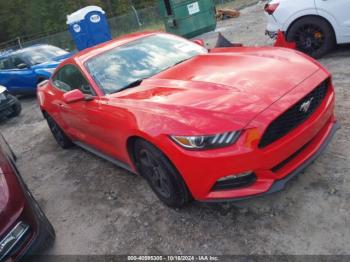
(62, 139)
(160, 174)
(313, 36)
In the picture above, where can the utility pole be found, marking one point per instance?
(19, 42)
(136, 13)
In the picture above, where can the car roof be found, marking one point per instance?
(19, 51)
(91, 52)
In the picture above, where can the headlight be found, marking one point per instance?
(207, 142)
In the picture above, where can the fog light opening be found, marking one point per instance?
(234, 176)
(235, 181)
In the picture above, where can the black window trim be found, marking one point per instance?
(81, 72)
(22, 58)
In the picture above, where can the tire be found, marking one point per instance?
(49, 237)
(313, 36)
(161, 175)
(47, 231)
(62, 139)
(16, 108)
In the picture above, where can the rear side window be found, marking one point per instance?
(5, 63)
(69, 78)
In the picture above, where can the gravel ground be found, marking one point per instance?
(98, 208)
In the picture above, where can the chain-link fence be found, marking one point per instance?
(145, 19)
(136, 20)
(222, 2)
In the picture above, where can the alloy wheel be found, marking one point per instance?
(155, 173)
(310, 38)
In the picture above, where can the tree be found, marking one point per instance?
(31, 18)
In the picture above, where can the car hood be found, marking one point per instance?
(52, 63)
(233, 85)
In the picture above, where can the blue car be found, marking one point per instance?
(22, 70)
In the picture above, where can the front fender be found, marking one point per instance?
(42, 74)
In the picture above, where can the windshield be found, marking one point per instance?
(122, 66)
(42, 54)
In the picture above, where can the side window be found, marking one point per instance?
(69, 78)
(5, 63)
(16, 60)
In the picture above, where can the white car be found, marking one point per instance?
(315, 25)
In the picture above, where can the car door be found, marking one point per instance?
(92, 124)
(73, 115)
(338, 11)
(82, 120)
(19, 77)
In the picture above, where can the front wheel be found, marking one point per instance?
(313, 36)
(16, 108)
(161, 175)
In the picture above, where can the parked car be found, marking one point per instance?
(213, 125)
(9, 105)
(24, 229)
(315, 25)
(22, 70)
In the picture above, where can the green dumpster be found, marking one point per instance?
(188, 18)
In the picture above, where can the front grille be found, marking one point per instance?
(294, 116)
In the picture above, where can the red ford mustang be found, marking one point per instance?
(223, 124)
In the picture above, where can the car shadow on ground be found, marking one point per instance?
(339, 51)
(26, 97)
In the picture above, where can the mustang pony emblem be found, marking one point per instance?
(306, 105)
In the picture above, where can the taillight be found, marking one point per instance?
(271, 8)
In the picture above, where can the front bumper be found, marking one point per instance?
(273, 26)
(271, 34)
(274, 165)
(281, 183)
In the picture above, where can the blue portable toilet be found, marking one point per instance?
(88, 27)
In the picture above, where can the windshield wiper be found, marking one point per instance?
(132, 84)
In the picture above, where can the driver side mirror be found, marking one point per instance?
(75, 96)
(22, 66)
(199, 42)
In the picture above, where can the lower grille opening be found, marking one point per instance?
(235, 183)
(285, 162)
